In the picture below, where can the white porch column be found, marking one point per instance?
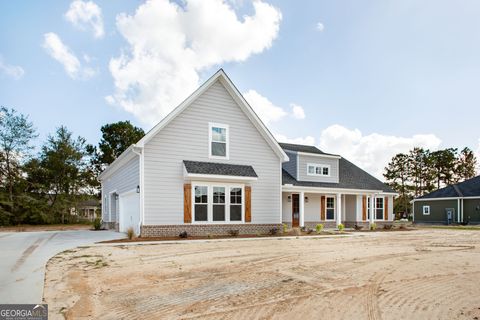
(372, 208)
(339, 208)
(302, 209)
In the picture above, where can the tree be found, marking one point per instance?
(397, 175)
(16, 133)
(465, 166)
(443, 165)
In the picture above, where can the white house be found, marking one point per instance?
(212, 166)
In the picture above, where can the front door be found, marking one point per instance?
(295, 210)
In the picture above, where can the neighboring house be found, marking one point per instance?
(457, 203)
(212, 166)
(88, 209)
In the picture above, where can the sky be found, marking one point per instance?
(363, 79)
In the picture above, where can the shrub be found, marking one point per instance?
(297, 231)
(130, 233)
(373, 226)
(273, 231)
(183, 235)
(97, 224)
(358, 227)
(285, 228)
(233, 232)
(341, 227)
(388, 226)
(309, 231)
(319, 228)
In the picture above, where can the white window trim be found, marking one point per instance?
(426, 212)
(334, 208)
(210, 186)
(227, 140)
(321, 166)
(377, 208)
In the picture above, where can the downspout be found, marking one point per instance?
(140, 165)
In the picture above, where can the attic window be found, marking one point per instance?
(314, 169)
(218, 141)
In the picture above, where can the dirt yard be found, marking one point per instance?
(424, 274)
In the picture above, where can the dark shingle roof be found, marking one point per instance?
(302, 148)
(350, 177)
(467, 188)
(219, 169)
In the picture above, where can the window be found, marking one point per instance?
(368, 208)
(379, 208)
(218, 137)
(201, 203)
(318, 170)
(330, 208)
(426, 210)
(236, 204)
(218, 203)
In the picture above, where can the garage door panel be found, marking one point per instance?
(129, 212)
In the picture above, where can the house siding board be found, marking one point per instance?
(312, 207)
(186, 138)
(437, 210)
(350, 208)
(304, 160)
(286, 208)
(471, 208)
(291, 165)
(122, 180)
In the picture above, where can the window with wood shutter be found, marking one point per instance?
(187, 203)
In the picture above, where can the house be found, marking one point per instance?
(87, 209)
(211, 166)
(456, 203)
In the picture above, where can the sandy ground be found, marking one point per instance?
(424, 274)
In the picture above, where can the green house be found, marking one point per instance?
(457, 203)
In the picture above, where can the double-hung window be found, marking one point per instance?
(426, 210)
(218, 141)
(314, 169)
(330, 208)
(218, 203)
(379, 208)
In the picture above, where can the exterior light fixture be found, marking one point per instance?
(306, 199)
(138, 189)
(116, 196)
(289, 198)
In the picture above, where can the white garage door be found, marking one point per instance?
(129, 212)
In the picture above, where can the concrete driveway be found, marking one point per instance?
(24, 255)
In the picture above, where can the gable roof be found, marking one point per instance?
(215, 168)
(237, 97)
(303, 148)
(467, 188)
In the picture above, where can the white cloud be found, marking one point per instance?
(371, 152)
(308, 140)
(265, 109)
(86, 15)
(169, 44)
(60, 52)
(15, 72)
(297, 111)
(320, 26)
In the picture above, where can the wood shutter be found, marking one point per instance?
(187, 203)
(322, 208)
(364, 208)
(248, 204)
(385, 215)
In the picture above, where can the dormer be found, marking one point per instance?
(308, 163)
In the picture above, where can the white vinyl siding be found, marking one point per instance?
(305, 160)
(187, 138)
(125, 178)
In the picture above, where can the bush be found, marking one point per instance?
(388, 226)
(130, 233)
(309, 231)
(373, 226)
(285, 228)
(183, 235)
(358, 227)
(97, 224)
(341, 227)
(233, 232)
(297, 231)
(273, 231)
(319, 228)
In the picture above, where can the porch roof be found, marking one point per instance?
(350, 177)
(215, 168)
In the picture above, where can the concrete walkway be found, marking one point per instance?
(23, 256)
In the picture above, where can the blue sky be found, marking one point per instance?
(380, 77)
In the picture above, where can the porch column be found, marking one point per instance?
(339, 208)
(302, 209)
(372, 208)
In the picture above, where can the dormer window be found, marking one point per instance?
(218, 141)
(321, 170)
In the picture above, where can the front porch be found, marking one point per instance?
(307, 208)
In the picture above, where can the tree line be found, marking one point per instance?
(422, 171)
(43, 186)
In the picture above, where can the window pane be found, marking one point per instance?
(219, 149)
(379, 214)
(235, 213)
(201, 194)
(330, 203)
(330, 214)
(219, 134)
(218, 212)
(317, 170)
(236, 195)
(325, 171)
(379, 202)
(218, 194)
(201, 212)
(311, 169)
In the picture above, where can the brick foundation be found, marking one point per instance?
(206, 229)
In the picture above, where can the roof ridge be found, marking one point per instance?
(457, 189)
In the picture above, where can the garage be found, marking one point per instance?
(129, 211)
